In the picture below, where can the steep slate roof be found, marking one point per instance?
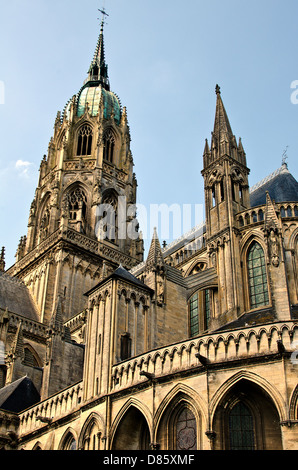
(281, 186)
(15, 297)
(120, 273)
(18, 395)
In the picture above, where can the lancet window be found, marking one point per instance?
(84, 146)
(109, 146)
(44, 223)
(200, 310)
(77, 205)
(186, 430)
(241, 428)
(257, 278)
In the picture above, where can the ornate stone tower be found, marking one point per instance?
(84, 204)
(226, 193)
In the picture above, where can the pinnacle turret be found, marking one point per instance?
(155, 258)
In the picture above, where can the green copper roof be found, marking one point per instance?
(92, 95)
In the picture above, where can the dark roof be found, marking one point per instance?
(121, 273)
(281, 185)
(259, 317)
(15, 297)
(19, 395)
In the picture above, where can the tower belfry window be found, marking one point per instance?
(84, 141)
(77, 205)
(109, 147)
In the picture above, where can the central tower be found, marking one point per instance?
(78, 223)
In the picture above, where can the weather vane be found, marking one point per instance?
(285, 156)
(104, 14)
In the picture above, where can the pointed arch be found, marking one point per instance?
(76, 203)
(69, 440)
(180, 398)
(109, 144)
(294, 404)
(84, 140)
(254, 378)
(107, 216)
(254, 406)
(31, 357)
(37, 446)
(44, 216)
(91, 433)
(136, 418)
(254, 269)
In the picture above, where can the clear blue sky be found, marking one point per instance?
(165, 58)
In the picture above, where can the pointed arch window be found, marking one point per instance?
(84, 146)
(186, 430)
(70, 443)
(109, 146)
(200, 311)
(241, 428)
(257, 278)
(107, 219)
(45, 223)
(77, 206)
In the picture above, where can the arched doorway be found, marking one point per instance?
(247, 419)
(132, 432)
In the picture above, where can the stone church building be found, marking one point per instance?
(193, 347)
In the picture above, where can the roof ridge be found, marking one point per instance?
(280, 170)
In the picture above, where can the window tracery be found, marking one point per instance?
(186, 430)
(84, 146)
(109, 146)
(77, 208)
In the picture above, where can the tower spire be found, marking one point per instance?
(98, 70)
(222, 128)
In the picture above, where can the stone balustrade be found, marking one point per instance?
(63, 403)
(255, 215)
(220, 347)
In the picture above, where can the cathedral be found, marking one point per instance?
(191, 347)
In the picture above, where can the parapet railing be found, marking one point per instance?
(44, 412)
(221, 347)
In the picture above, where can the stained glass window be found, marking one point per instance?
(207, 307)
(186, 430)
(257, 279)
(241, 428)
(194, 315)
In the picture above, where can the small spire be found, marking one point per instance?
(18, 347)
(155, 257)
(57, 317)
(98, 70)
(2, 260)
(222, 128)
(270, 219)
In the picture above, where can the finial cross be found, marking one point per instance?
(103, 12)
